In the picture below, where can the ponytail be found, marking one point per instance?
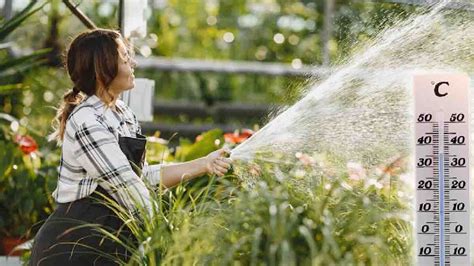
(70, 100)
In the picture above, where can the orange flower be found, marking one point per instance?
(27, 144)
(236, 137)
(394, 167)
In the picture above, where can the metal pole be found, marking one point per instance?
(327, 31)
(120, 17)
(125, 96)
(8, 9)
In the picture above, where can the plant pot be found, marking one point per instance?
(9, 243)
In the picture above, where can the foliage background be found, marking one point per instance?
(287, 31)
(196, 29)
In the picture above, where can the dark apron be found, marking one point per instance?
(60, 242)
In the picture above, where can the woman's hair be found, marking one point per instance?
(92, 63)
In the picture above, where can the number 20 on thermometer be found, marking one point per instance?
(442, 169)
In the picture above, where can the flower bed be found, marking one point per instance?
(308, 209)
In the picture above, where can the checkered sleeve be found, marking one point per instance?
(99, 153)
(152, 173)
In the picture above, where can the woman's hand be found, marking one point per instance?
(217, 163)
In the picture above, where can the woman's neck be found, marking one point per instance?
(109, 100)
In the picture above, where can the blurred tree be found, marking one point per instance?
(13, 69)
(52, 41)
(287, 31)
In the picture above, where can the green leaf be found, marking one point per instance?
(28, 206)
(23, 61)
(12, 73)
(157, 152)
(200, 148)
(18, 19)
(9, 88)
(6, 159)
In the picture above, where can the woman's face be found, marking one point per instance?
(125, 80)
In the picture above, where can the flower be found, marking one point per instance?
(356, 171)
(199, 138)
(395, 166)
(27, 144)
(236, 137)
(305, 159)
(255, 170)
(373, 182)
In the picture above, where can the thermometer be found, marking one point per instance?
(442, 169)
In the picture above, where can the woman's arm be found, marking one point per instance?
(170, 175)
(213, 163)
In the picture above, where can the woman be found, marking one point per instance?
(102, 154)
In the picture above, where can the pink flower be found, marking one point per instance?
(356, 171)
(305, 159)
(255, 170)
(199, 138)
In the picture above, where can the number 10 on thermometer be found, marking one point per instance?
(442, 169)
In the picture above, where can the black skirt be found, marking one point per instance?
(69, 238)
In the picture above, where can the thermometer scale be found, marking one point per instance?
(442, 169)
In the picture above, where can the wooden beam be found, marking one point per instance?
(81, 16)
(230, 67)
(183, 130)
(465, 5)
(220, 109)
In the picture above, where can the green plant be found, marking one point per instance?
(10, 68)
(312, 210)
(13, 69)
(208, 141)
(22, 181)
(298, 216)
(25, 180)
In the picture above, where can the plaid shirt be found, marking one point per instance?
(91, 156)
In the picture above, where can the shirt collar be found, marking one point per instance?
(95, 102)
(100, 107)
